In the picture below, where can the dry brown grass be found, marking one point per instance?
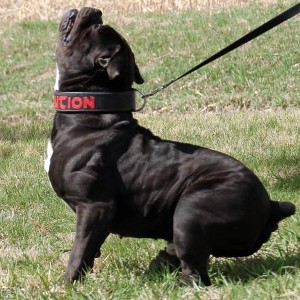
(52, 9)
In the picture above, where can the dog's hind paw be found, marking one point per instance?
(163, 260)
(188, 280)
(97, 254)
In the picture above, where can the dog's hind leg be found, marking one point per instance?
(194, 261)
(190, 247)
(93, 221)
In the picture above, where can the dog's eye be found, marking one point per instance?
(97, 26)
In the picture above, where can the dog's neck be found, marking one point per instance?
(92, 121)
(76, 100)
(92, 82)
(101, 102)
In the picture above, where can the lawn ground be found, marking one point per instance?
(246, 105)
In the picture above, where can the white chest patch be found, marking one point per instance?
(56, 86)
(49, 154)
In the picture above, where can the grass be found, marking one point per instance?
(261, 75)
(45, 10)
(246, 105)
(37, 228)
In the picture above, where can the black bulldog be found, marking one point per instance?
(120, 178)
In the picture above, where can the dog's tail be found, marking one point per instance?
(281, 210)
(278, 211)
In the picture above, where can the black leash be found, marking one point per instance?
(288, 14)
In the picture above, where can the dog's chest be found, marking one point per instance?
(49, 155)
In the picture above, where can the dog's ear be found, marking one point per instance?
(112, 67)
(114, 62)
(137, 75)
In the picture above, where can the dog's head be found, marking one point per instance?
(92, 56)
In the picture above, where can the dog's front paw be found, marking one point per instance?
(70, 279)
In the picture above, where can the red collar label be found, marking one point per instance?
(74, 103)
(94, 101)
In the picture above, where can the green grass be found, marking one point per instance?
(36, 228)
(262, 74)
(246, 105)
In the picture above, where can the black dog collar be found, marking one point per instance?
(94, 101)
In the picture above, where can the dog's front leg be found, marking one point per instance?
(93, 221)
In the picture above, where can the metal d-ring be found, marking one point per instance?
(144, 101)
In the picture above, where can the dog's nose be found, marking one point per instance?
(89, 11)
(98, 12)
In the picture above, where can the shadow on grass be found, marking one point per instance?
(288, 183)
(290, 179)
(250, 268)
(234, 270)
